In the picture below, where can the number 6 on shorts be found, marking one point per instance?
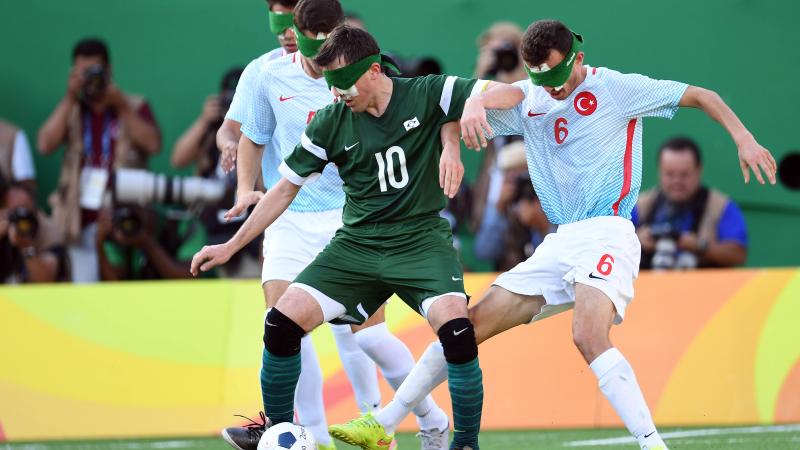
(606, 264)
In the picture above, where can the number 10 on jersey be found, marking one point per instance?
(386, 168)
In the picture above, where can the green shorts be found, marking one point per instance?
(364, 265)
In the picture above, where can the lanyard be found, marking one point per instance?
(88, 142)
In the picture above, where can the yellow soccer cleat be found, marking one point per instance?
(364, 432)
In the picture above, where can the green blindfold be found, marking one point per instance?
(345, 77)
(558, 75)
(308, 47)
(279, 22)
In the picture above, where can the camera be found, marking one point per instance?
(506, 59)
(143, 187)
(95, 82)
(25, 221)
(127, 221)
(667, 255)
(415, 67)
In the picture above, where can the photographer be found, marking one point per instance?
(681, 224)
(16, 161)
(103, 129)
(498, 53)
(135, 243)
(198, 145)
(31, 249)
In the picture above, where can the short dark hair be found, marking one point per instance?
(543, 36)
(350, 43)
(286, 3)
(681, 144)
(318, 16)
(91, 47)
(231, 79)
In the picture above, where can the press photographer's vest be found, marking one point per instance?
(708, 206)
(8, 134)
(64, 201)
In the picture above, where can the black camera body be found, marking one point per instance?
(95, 82)
(25, 221)
(127, 221)
(506, 59)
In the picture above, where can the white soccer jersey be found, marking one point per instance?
(248, 82)
(585, 152)
(284, 102)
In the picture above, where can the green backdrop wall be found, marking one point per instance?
(175, 52)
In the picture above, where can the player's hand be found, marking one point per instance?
(209, 257)
(451, 169)
(752, 156)
(243, 201)
(228, 156)
(474, 126)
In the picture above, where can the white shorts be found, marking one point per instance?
(294, 240)
(602, 252)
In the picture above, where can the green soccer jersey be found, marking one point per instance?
(389, 164)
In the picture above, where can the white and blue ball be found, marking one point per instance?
(287, 436)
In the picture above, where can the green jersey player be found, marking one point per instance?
(383, 137)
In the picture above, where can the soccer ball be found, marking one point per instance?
(287, 436)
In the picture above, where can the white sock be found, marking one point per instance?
(396, 361)
(430, 371)
(308, 394)
(619, 385)
(360, 369)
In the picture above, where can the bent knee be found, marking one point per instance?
(589, 342)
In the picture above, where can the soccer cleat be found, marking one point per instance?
(434, 439)
(331, 446)
(246, 437)
(655, 447)
(364, 432)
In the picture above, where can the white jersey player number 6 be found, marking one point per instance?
(386, 167)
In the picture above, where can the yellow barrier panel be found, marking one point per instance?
(180, 358)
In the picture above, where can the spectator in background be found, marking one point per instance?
(138, 243)
(510, 230)
(682, 224)
(103, 129)
(31, 249)
(281, 19)
(16, 161)
(197, 145)
(498, 58)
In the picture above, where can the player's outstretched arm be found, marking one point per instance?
(752, 156)
(451, 169)
(269, 208)
(474, 126)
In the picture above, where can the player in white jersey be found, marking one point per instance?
(583, 136)
(288, 92)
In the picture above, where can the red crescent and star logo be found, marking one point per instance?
(585, 103)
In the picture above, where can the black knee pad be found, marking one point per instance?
(458, 341)
(281, 334)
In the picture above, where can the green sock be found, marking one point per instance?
(466, 392)
(279, 377)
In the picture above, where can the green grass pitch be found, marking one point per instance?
(781, 437)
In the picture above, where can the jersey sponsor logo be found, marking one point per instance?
(533, 114)
(283, 99)
(411, 124)
(348, 147)
(585, 103)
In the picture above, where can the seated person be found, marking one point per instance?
(31, 247)
(137, 243)
(682, 224)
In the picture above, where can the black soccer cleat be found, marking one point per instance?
(246, 437)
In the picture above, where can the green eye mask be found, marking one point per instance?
(308, 47)
(345, 77)
(279, 22)
(558, 75)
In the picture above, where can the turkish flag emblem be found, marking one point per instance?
(585, 103)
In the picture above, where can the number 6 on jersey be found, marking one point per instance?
(386, 166)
